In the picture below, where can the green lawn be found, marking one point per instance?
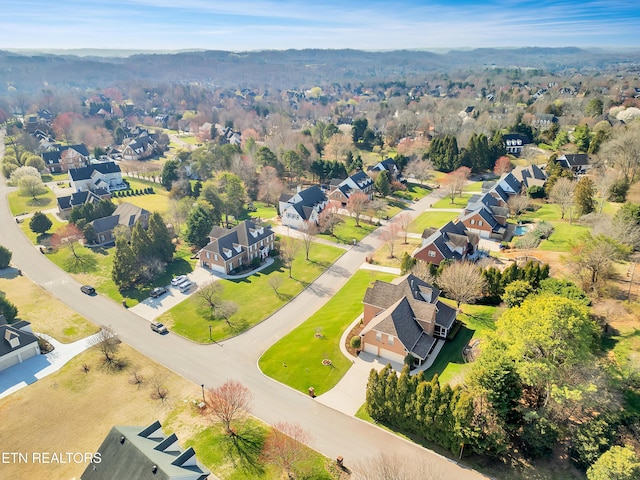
(152, 202)
(262, 211)
(547, 212)
(431, 218)
(477, 321)
(96, 271)
(475, 187)
(255, 298)
(241, 460)
(414, 192)
(296, 359)
(347, 231)
(562, 235)
(459, 202)
(41, 239)
(19, 204)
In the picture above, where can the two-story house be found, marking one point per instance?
(103, 175)
(302, 206)
(358, 182)
(77, 199)
(388, 165)
(125, 214)
(404, 317)
(231, 248)
(451, 242)
(61, 159)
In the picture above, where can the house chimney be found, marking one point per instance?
(298, 189)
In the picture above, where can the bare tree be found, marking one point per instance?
(462, 282)
(517, 204)
(275, 282)
(393, 467)
(209, 297)
(455, 181)
(33, 187)
(422, 271)
(137, 378)
(158, 389)
(107, 343)
(404, 220)
(226, 310)
(288, 249)
(286, 447)
(503, 165)
(623, 151)
(562, 194)
(269, 185)
(376, 208)
(357, 204)
(421, 170)
(329, 220)
(228, 403)
(390, 236)
(604, 178)
(309, 231)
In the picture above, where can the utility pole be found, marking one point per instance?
(633, 271)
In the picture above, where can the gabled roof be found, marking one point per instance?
(144, 454)
(85, 173)
(9, 333)
(575, 159)
(312, 196)
(76, 199)
(231, 242)
(515, 139)
(485, 214)
(125, 214)
(530, 176)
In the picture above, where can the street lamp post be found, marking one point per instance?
(210, 337)
(203, 399)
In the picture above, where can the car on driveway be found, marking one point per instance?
(88, 289)
(158, 327)
(178, 280)
(157, 292)
(185, 286)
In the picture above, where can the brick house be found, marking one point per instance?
(404, 317)
(61, 159)
(451, 242)
(231, 248)
(358, 182)
(125, 214)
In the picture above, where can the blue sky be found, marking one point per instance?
(262, 24)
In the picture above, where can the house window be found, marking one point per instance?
(479, 223)
(378, 337)
(390, 339)
(432, 253)
(215, 257)
(208, 255)
(473, 222)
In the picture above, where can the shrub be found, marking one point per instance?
(591, 440)
(618, 191)
(528, 241)
(539, 437)
(535, 191)
(355, 342)
(543, 230)
(5, 257)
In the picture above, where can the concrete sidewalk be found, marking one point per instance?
(35, 368)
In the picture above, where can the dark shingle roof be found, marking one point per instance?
(84, 173)
(231, 242)
(133, 452)
(11, 331)
(576, 159)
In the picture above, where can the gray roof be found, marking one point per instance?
(76, 199)
(9, 331)
(575, 159)
(144, 453)
(125, 214)
(225, 240)
(84, 173)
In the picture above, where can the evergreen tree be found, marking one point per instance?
(141, 244)
(7, 308)
(199, 224)
(39, 223)
(5, 257)
(161, 243)
(125, 267)
(382, 185)
(389, 407)
(169, 173)
(375, 393)
(584, 196)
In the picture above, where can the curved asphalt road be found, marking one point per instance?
(333, 432)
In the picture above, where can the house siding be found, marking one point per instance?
(423, 255)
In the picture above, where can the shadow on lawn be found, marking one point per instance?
(451, 352)
(245, 448)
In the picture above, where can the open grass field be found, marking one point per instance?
(46, 313)
(347, 231)
(302, 351)
(152, 202)
(45, 238)
(254, 296)
(381, 256)
(474, 187)
(431, 218)
(72, 411)
(19, 204)
(459, 202)
(562, 236)
(413, 192)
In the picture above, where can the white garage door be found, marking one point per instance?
(394, 357)
(9, 361)
(371, 349)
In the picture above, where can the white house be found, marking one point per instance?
(17, 343)
(303, 206)
(105, 175)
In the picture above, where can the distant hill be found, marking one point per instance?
(281, 68)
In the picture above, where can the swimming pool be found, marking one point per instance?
(520, 230)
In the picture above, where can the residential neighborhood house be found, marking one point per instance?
(61, 159)
(515, 142)
(125, 214)
(230, 248)
(144, 454)
(404, 317)
(303, 206)
(388, 165)
(103, 175)
(342, 190)
(578, 163)
(77, 199)
(451, 242)
(17, 343)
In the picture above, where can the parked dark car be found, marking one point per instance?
(158, 291)
(88, 289)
